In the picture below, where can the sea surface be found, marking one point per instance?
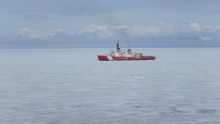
(70, 86)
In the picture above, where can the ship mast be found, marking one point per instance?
(118, 45)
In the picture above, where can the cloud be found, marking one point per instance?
(184, 33)
(156, 30)
(35, 34)
(184, 8)
(205, 38)
(28, 8)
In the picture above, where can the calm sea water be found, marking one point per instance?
(70, 86)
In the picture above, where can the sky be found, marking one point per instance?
(100, 23)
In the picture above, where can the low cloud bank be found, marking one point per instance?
(156, 34)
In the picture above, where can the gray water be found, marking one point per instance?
(70, 86)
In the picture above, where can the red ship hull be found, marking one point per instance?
(105, 58)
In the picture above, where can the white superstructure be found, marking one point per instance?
(119, 54)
